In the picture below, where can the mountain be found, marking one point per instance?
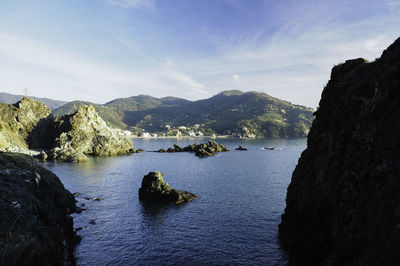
(109, 115)
(11, 98)
(343, 202)
(237, 112)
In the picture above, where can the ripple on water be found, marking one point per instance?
(234, 220)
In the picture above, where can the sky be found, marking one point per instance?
(99, 50)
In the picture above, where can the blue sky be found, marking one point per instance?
(99, 50)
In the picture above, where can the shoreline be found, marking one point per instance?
(185, 137)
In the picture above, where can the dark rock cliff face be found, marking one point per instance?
(343, 204)
(35, 226)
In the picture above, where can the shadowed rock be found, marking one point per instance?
(343, 203)
(35, 226)
(155, 189)
(201, 150)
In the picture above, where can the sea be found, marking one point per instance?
(234, 220)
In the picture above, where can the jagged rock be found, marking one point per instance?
(343, 203)
(84, 131)
(42, 156)
(240, 148)
(155, 189)
(18, 121)
(29, 124)
(35, 226)
(201, 150)
(67, 154)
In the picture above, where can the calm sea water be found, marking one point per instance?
(234, 220)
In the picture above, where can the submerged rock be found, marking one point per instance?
(343, 203)
(269, 148)
(201, 150)
(240, 148)
(155, 189)
(35, 226)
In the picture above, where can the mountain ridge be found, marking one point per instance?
(228, 112)
(12, 98)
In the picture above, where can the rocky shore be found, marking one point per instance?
(35, 226)
(155, 189)
(29, 124)
(343, 203)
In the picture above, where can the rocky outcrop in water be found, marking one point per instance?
(343, 203)
(29, 124)
(155, 189)
(35, 226)
(201, 150)
(85, 133)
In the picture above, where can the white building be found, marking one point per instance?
(146, 135)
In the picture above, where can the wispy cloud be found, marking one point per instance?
(295, 62)
(393, 4)
(93, 80)
(133, 3)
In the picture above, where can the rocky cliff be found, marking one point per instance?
(85, 133)
(17, 121)
(35, 226)
(29, 124)
(343, 203)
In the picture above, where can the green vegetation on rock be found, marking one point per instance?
(18, 121)
(29, 124)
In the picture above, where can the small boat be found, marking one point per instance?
(269, 148)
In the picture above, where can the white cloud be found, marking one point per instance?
(55, 73)
(133, 3)
(295, 64)
(236, 77)
(392, 4)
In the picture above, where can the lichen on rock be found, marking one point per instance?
(29, 124)
(18, 121)
(85, 133)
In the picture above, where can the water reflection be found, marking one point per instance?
(234, 220)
